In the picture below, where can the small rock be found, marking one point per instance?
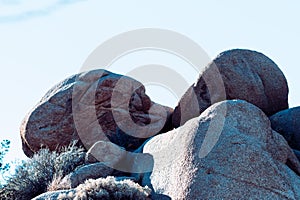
(108, 152)
(91, 171)
(54, 195)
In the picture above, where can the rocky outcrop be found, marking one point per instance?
(225, 146)
(90, 107)
(228, 152)
(235, 74)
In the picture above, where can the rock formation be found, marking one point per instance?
(90, 107)
(233, 137)
(235, 74)
(228, 152)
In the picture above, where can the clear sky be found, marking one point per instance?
(43, 42)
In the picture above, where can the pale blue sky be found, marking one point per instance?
(42, 42)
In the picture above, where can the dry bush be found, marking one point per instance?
(33, 177)
(59, 183)
(108, 188)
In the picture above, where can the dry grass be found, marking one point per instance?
(48, 171)
(34, 176)
(108, 188)
(59, 183)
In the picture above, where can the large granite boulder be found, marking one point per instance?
(90, 107)
(235, 74)
(287, 123)
(228, 152)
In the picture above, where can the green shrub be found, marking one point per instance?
(108, 188)
(32, 177)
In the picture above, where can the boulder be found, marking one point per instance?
(93, 106)
(90, 171)
(228, 152)
(287, 123)
(235, 74)
(107, 152)
(55, 195)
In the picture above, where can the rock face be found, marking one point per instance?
(228, 152)
(90, 107)
(55, 195)
(91, 171)
(103, 151)
(297, 153)
(287, 123)
(235, 74)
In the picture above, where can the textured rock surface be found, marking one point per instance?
(287, 123)
(104, 151)
(91, 171)
(92, 106)
(297, 153)
(53, 195)
(235, 74)
(229, 152)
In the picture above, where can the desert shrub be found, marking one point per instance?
(59, 183)
(4, 167)
(32, 177)
(108, 188)
(4, 147)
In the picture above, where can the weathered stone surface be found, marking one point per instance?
(287, 123)
(93, 106)
(297, 153)
(235, 74)
(90, 171)
(53, 195)
(228, 152)
(107, 152)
